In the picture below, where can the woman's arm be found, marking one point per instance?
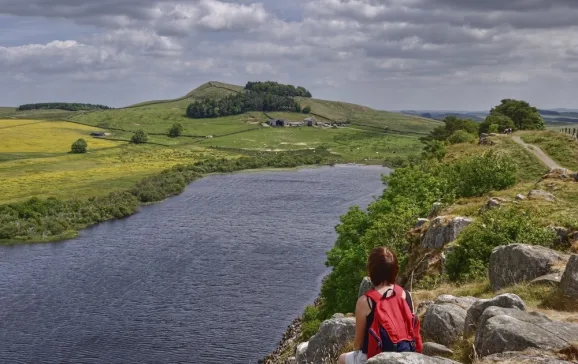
(362, 309)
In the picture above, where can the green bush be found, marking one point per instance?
(139, 137)
(307, 109)
(461, 136)
(311, 322)
(79, 146)
(434, 149)
(176, 130)
(470, 258)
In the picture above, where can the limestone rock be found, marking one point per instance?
(506, 300)
(420, 223)
(444, 320)
(569, 282)
(522, 358)
(338, 315)
(493, 203)
(441, 233)
(464, 302)
(516, 263)
(501, 330)
(541, 195)
(333, 334)
(408, 358)
(291, 360)
(365, 286)
(435, 349)
(422, 307)
(520, 197)
(552, 279)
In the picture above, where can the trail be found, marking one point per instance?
(539, 153)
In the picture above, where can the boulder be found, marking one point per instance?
(333, 334)
(444, 320)
(502, 329)
(365, 286)
(441, 232)
(422, 307)
(420, 223)
(541, 195)
(522, 358)
(408, 358)
(569, 281)
(435, 349)
(552, 279)
(506, 300)
(493, 203)
(516, 263)
(520, 197)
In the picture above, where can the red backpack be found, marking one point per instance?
(394, 328)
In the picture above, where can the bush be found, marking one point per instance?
(311, 322)
(176, 130)
(461, 136)
(470, 258)
(79, 146)
(307, 109)
(434, 149)
(139, 137)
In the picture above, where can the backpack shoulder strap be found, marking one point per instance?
(374, 295)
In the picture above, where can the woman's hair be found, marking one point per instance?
(382, 266)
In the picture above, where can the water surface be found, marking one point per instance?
(213, 275)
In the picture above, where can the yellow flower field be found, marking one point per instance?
(32, 136)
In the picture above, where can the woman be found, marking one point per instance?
(382, 267)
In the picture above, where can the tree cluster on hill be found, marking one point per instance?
(515, 114)
(275, 88)
(62, 106)
(241, 103)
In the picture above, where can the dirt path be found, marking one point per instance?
(539, 153)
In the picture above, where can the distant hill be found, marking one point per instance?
(554, 116)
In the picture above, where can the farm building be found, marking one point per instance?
(310, 122)
(294, 123)
(276, 122)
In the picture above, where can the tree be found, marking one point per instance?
(176, 130)
(434, 149)
(79, 146)
(500, 121)
(523, 115)
(307, 109)
(139, 137)
(452, 124)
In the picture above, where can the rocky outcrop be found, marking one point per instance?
(541, 195)
(507, 300)
(552, 279)
(444, 320)
(507, 329)
(365, 286)
(516, 263)
(443, 230)
(520, 197)
(435, 349)
(569, 281)
(522, 358)
(408, 358)
(333, 334)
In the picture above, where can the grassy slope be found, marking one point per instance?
(35, 160)
(561, 147)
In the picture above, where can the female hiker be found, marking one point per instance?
(384, 316)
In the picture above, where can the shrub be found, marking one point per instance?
(307, 109)
(470, 258)
(79, 146)
(139, 137)
(311, 322)
(176, 130)
(461, 136)
(434, 149)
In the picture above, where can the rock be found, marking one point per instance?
(493, 203)
(407, 358)
(562, 235)
(338, 315)
(291, 360)
(520, 197)
(444, 320)
(522, 358)
(463, 302)
(333, 334)
(421, 222)
(516, 263)
(365, 286)
(441, 233)
(435, 349)
(569, 281)
(506, 300)
(435, 209)
(541, 195)
(552, 279)
(502, 330)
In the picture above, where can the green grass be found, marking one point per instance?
(560, 147)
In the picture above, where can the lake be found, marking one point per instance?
(213, 275)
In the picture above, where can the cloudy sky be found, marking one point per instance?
(388, 54)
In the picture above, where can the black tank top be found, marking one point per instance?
(369, 319)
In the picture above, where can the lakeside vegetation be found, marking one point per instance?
(48, 219)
